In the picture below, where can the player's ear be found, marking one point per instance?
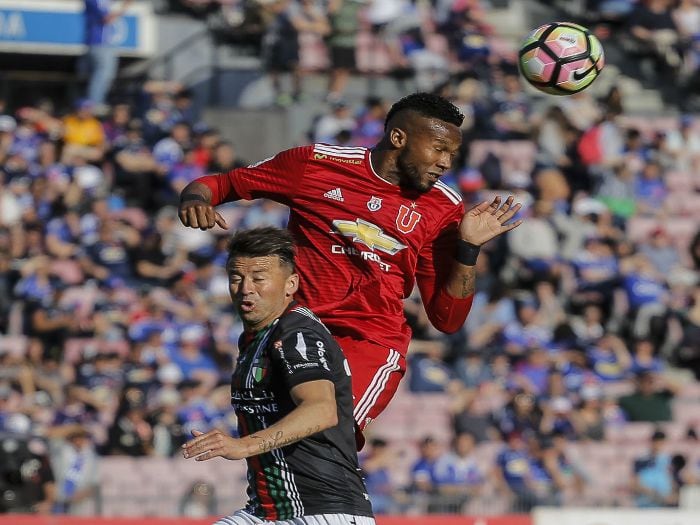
(292, 284)
(397, 137)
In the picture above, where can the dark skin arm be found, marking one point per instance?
(196, 210)
(479, 225)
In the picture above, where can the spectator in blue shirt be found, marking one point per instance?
(653, 480)
(457, 475)
(102, 56)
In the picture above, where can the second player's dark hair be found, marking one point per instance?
(260, 242)
(427, 105)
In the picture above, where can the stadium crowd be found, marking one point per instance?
(117, 335)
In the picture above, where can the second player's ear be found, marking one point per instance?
(397, 137)
(292, 284)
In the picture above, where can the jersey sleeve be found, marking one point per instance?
(277, 178)
(435, 261)
(302, 356)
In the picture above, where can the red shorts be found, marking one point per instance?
(376, 372)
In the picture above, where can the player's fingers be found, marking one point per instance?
(481, 207)
(508, 214)
(192, 217)
(196, 432)
(184, 219)
(495, 204)
(513, 225)
(211, 217)
(202, 217)
(220, 220)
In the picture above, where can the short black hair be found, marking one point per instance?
(427, 105)
(261, 242)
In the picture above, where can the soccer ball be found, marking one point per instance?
(561, 58)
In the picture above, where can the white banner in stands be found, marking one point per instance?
(587, 516)
(57, 28)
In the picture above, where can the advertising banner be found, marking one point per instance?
(51, 27)
(585, 516)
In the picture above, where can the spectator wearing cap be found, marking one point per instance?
(102, 58)
(652, 481)
(651, 400)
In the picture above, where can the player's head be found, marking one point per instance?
(262, 276)
(423, 131)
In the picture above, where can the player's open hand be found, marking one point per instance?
(213, 444)
(486, 221)
(198, 214)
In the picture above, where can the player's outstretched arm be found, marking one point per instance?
(316, 411)
(479, 225)
(196, 210)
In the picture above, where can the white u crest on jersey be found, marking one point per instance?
(374, 204)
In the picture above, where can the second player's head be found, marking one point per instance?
(262, 275)
(423, 130)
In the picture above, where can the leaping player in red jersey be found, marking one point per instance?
(369, 224)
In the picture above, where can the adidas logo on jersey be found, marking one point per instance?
(335, 194)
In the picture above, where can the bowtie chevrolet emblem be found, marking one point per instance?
(368, 234)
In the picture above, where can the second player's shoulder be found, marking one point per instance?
(346, 155)
(445, 196)
(299, 317)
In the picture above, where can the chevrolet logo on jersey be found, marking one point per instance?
(368, 234)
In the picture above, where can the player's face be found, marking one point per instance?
(428, 152)
(261, 289)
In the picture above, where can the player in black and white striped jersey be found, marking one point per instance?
(292, 395)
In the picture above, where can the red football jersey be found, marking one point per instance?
(362, 242)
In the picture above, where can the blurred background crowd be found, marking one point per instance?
(575, 377)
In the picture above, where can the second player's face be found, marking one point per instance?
(261, 289)
(431, 147)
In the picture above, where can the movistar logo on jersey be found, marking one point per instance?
(368, 234)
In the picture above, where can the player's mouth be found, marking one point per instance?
(433, 177)
(247, 306)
